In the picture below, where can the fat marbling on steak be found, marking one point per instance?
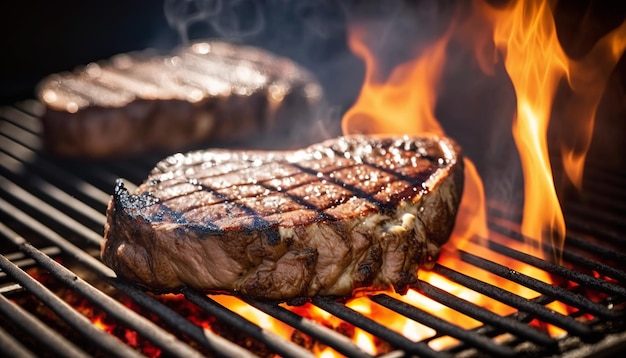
(349, 215)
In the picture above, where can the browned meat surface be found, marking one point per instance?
(201, 93)
(349, 215)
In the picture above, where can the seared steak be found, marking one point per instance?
(349, 215)
(205, 92)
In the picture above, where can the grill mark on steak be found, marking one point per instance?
(258, 223)
(287, 191)
(226, 72)
(263, 183)
(305, 203)
(356, 191)
(393, 179)
(267, 225)
(396, 174)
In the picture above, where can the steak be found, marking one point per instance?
(206, 92)
(350, 215)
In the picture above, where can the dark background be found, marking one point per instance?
(41, 37)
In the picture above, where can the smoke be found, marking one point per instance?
(314, 34)
(324, 18)
(244, 19)
(232, 19)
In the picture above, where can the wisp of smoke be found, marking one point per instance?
(228, 19)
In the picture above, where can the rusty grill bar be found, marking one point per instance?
(52, 216)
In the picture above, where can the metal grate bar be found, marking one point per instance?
(22, 162)
(27, 150)
(24, 115)
(28, 198)
(443, 327)
(66, 312)
(580, 224)
(553, 291)
(22, 261)
(599, 250)
(208, 339)
(275, 342)
(395, 339)
(76, 253)
(56, 239)
(599, 267)
(11, 347)
(150, 331)
(607, 218)
(513, 300)
(10, 288)
(603, 232)
(513, 326)
(329, 337)
(53, 341)
(133, 172)
(19, 135)
(608, 197)
(61, 197)
(588, 247)
(576, 276)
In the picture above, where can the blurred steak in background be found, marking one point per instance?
(198, 95)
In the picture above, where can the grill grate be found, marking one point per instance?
(52, 216)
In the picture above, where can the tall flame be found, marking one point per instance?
(536, 63)
(588, 78)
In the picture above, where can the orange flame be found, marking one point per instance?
(535, 63)
(388, 108)
(588, 78)
(404, 103)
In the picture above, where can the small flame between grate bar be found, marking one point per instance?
(52, 216)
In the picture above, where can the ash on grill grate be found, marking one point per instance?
(52, 213)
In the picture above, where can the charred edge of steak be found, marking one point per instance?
(129, 202)
(378, 250)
